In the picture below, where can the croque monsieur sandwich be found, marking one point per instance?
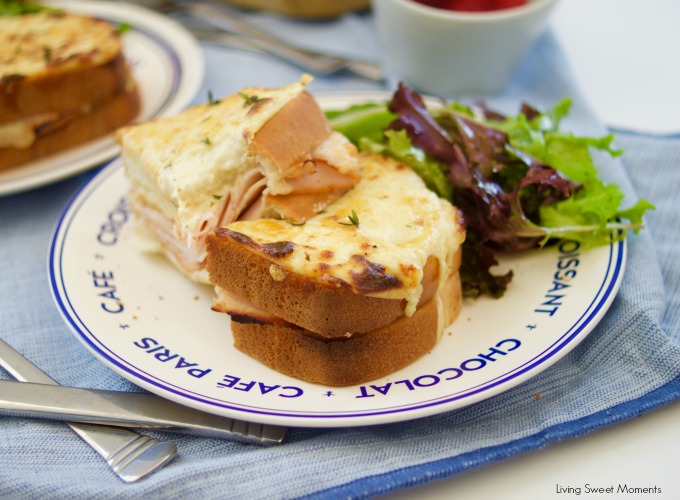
(63, 81)
(335, 267)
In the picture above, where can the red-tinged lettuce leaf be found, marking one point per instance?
(487, 207)
(483, 146)
(475, 276)
(423, 130)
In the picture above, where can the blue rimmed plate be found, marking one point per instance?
(153, 326)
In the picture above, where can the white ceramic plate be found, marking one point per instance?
(153, 326)
(168, 66)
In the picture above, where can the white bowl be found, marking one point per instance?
(448, 53)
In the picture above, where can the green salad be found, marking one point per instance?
(520, 181)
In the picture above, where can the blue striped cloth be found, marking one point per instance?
(628, 365)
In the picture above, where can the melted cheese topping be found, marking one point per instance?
(401, 224)
(34, 44)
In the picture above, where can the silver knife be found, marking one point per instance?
(130, 455)
(127, 409)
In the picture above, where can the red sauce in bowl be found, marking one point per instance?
(473, 5)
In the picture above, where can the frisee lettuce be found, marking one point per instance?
(592, 214)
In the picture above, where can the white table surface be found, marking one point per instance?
(618, 49)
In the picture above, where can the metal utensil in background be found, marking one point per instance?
(230, 20)
(361, 68)
(132, 456)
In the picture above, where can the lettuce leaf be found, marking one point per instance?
(398, 145)
(361, 121)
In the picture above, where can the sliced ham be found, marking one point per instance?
(190, 259)
(317, 183)
(243, 311)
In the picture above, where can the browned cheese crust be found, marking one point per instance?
(330, 310)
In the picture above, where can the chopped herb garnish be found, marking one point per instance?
(249, 99)
(217, 196)
(353, 220)
(47, 52)
(123, 28)
(206, 141)
(212, 101)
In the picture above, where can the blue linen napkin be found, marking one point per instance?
(628, 365)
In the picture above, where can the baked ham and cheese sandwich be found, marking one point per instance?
(335, 267)
(356, 292)
(258, 153)
(64, 80)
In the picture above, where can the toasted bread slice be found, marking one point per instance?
(354, 359)
(294, 352)
(73, 128)
(330, 311)
(333, 277)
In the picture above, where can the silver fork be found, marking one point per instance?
(132, 456)
(231, 21)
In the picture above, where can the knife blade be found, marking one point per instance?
(127, 409)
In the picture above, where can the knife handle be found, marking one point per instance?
(130, 455)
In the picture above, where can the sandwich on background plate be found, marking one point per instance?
(335, 267)
(64, 81)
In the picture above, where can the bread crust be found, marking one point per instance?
(328, 309)
(354, 359)
(289, 137)
(23, 97)
(103, 119)
(345, 361)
